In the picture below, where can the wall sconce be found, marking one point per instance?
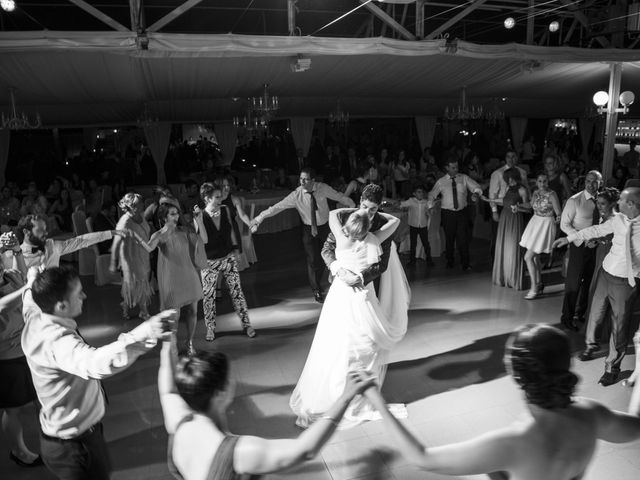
(601, 99)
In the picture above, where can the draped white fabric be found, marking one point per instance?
(426, 128)
(5, 140)
(157, 136)
(302, 131)
(227, 136)
(585, 127)
(518, 127)
(601, 125)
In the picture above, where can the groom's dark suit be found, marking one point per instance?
(372, 273)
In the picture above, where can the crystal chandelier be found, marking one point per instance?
(339, 117)
(250, 121)
(146, 118)
(265, 106)
(19, 122)
(462, 111)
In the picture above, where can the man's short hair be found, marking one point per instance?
(207, 189)
(52, 286)
(597, 174)
(309, 171)
(372, 193)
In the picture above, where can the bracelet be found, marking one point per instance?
(330, 418)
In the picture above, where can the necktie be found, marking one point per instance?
(595, 220)
(454, 192)
(314, 221)
(629, 258)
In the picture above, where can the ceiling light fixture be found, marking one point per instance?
(8, 5)
(509, 23)
(338, 117)
(21, 121)
(554, 26)
(601, 99)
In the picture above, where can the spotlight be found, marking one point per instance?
(554, 26)
(8, 5)
(509, 23)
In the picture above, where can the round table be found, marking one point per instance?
(255, 203)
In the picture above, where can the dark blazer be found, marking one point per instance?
(372, 273)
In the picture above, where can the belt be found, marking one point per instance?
(90, 431)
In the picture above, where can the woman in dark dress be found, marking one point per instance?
(508, 270)
(195, 393)
(558, 180)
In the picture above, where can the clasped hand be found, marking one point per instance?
(350, 278)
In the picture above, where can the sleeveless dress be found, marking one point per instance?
(222, 464)
(134, 261)
(355, 332)
(178, 280)
(541, 229)
(508, 265)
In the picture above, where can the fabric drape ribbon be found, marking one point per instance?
(302, 132)
(426, 128)
(5, 139)
(227, 137)
(585, 127)
(518, 127)
(157, 136)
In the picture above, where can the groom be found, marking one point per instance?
(370, 201)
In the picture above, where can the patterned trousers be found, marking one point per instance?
(228, 268)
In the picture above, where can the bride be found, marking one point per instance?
(355, 331)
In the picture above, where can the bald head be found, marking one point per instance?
(629, 203)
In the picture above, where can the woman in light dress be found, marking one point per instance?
(355, 330)
(132, 257)
(556, 438)
(178, 280)
(540, 233)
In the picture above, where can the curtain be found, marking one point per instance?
(89, 137)
(302, 131)
(585, 127)
(227, 137)
(157, 136)
(5, 138)
(518, 127)
(426, 127)
(601, 124)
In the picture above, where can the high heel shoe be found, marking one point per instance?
(211, 335)
(249, 331)
(531, 295)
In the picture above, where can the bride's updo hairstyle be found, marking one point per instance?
(357, 225)
(538, 357)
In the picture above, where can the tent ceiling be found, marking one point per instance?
(103, 78)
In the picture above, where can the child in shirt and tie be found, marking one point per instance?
(418, 223)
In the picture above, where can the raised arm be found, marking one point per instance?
(337, 196)
(389, 228)
(255, 455)
(154, 241)
(487, 453)
(174, 408)
(198, 224)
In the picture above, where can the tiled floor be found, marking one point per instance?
(448, 370)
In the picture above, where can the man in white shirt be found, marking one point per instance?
(616, 282)
(66, 372)
(455, 219)
(310, 199)
(40, 251)
(579, 212)
(498, 188)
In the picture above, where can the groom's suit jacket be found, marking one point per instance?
(372, 273)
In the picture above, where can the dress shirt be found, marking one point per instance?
(615, 263)
(498, 187)
(301, 200)
(443, 186)
(577, 214)
(11, 322)
(66, 371)
(418, 212)
(54, 249)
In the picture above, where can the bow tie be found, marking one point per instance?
(37, 249)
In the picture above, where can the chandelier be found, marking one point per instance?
(250, 126)
(19, 122)
(339, 117)
(265, 106)
(462, 111)
(147, 118)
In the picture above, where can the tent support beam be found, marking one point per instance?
(455, 19)
(291, 16)
(572, 29)
(135, 9)
(615, 77)
(103, 17)
(419, 19)
(530, 22)
(382, 15)
(172, 15)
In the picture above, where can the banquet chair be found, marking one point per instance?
(102, 274)
(86, 258)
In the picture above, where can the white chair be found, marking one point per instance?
(101, 265)
(86, 258)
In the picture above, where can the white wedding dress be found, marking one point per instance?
(355, 332)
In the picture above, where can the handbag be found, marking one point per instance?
(197, 252)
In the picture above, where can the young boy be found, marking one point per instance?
(418, 223)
